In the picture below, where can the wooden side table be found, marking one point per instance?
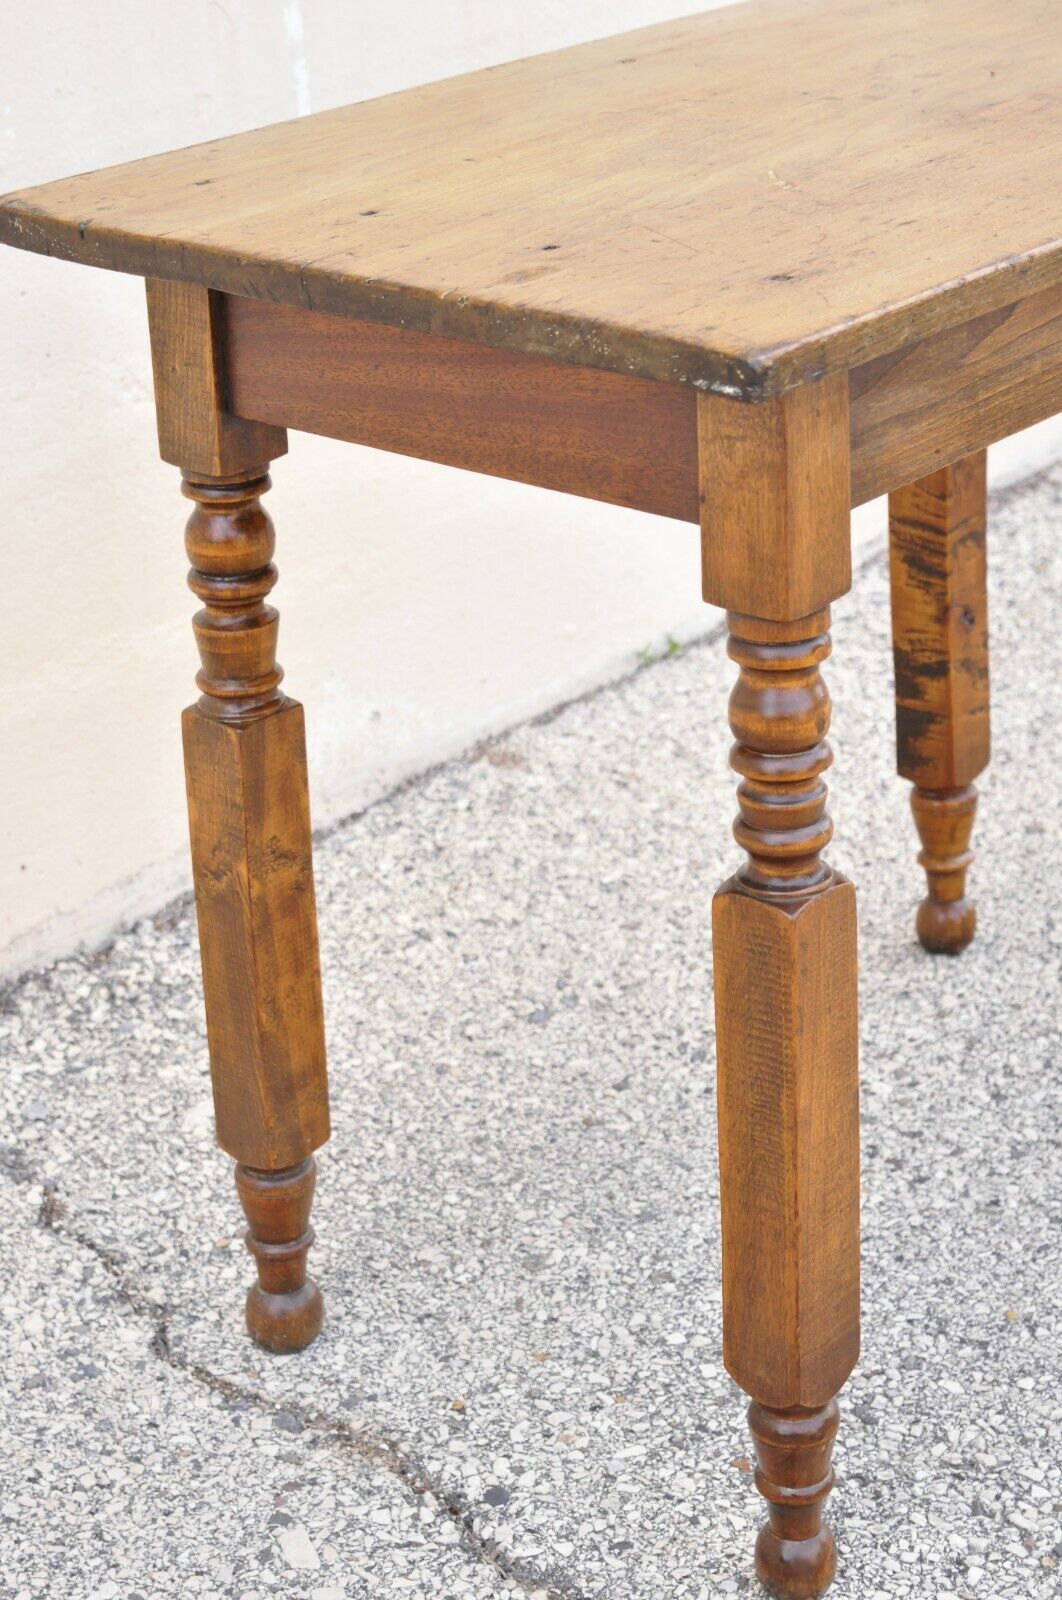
(746, 270)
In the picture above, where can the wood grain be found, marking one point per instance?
(249, 821)
(197, 432)
(795, 1555)
(938, 582)
(775, 496)
(785, 999)
(950, 395)
(741, 201)
(598, 434)
(245, 756)
(946, 920)
(628, 441)
(938, 575)
(250, 832)
(284, 1308)
(784, 956)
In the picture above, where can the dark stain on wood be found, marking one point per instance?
(937, 564)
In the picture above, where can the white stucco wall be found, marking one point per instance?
(421, 608)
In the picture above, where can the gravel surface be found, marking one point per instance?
(518, 1389)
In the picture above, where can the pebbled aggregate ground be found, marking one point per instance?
(518, 1389)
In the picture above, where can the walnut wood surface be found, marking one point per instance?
(784, 952)
(249, 821)
(251, 861)
(795, 1555)
(607, 436)
(946, 920)
(938, 575)
(775, 530)
(196, 430)
(251, 854)
(953, 393)
(788, 1131)
(598, 434)
(284, 1308)
(938, 581)
(742, 200)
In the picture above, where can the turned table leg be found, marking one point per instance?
(248, 807)
(940, 649)
(249, 817)
(776, 542)
(784, 936)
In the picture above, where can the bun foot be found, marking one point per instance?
(946, 919)
(945, 927)
(285, 1322)
(284, 1308)
(796, 1556)
(796, 1569)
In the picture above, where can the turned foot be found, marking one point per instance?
(284, 1308)
(946, 919)
(795, 1555)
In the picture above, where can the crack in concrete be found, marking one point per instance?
(380, 1453)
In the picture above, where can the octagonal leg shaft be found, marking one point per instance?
(937, 569)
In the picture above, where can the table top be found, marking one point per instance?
(741, 201)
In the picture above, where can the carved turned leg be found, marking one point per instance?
(784, 933)
(248, 808)
(940, 649)
(776, 544)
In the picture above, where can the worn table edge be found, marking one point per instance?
(751, 376)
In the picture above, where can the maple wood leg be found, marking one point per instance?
(937, 567)
(784, 939)
(245, 760)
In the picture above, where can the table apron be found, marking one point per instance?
(603, 435)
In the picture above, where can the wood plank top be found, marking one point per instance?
(741, 201)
